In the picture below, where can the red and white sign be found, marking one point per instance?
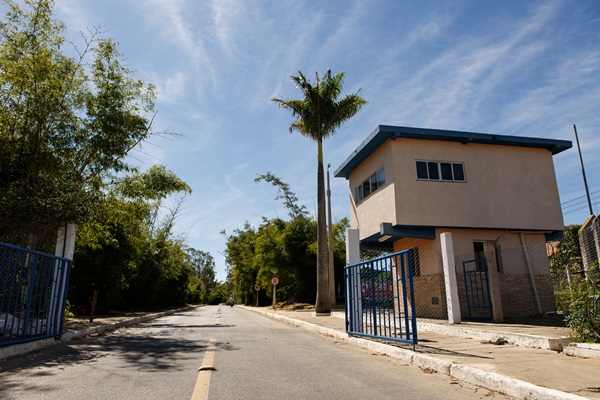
(275, 281)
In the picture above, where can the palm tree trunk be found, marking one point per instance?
(322, 304)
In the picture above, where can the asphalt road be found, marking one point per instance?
(254, 357)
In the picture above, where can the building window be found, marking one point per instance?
(369, 186)
(440, 171)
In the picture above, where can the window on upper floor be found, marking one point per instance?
(440, 171)
(369, 186)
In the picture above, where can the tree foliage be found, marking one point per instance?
(287, 247)
(131, 258)
(64, 122)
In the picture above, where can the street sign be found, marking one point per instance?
(275, 281)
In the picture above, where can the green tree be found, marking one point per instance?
(204, 267)
(64, 122)
(126, 254)
(318, 115)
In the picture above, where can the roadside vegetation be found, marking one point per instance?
(285, 248)
(70, 117)
(573, 287)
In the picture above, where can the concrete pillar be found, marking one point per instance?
(65, 247)
(352, 246)
(495, 292)
(452, 303)
(354, 312)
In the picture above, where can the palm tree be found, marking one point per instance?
(318, 115)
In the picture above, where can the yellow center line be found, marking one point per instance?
(205, 371)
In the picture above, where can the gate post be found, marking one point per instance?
(452, 303)
(65, 246)
(353, 297)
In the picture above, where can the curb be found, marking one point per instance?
(518, 339)
(488, 380)
(28, 347)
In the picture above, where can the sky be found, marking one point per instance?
(523, 68)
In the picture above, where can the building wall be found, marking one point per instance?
(506, 187)
(376, 208)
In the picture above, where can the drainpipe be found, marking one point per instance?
(535, 293)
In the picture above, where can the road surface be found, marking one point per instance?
(243, 355)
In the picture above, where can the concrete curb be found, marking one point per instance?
(518, 339)
(583, 350)
(488, 380)
(28, 347)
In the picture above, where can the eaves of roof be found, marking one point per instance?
(384, 132)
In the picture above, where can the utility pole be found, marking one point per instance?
(587, 190)
(330, 243)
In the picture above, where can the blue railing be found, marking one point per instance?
(33, 292)
(380, 298)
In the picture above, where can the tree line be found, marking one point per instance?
(285, 248)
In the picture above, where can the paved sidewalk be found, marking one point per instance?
(464, 353)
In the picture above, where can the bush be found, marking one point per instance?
(585, 329)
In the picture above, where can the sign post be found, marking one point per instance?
(274, 282)
(257, 288)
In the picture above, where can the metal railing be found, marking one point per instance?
(380, 298)
(33, 292)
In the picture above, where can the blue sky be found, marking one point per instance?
(525, 68)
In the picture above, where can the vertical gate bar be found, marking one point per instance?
(404, 299)
(373, 298)
(412, 301)
(347, 297)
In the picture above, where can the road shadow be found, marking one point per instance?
(140, 353)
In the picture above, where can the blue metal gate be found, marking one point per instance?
(33, 292)
(380, 298)
(479, 303)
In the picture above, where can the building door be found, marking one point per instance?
(479, 301)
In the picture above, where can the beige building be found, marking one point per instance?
(497, 195)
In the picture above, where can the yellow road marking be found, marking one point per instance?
(205, 370)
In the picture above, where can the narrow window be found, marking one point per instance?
(459, 171)
(380, 178)
(434, 173)
(446, 169)
(358, 193)
(422, 170)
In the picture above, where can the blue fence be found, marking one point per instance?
(33, 292)
(380, 298)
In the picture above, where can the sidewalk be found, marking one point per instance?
(469, 353)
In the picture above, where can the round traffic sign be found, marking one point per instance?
(257, 288)
(275, 281)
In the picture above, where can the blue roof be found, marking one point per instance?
(385, 132)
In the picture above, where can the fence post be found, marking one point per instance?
(452, 303)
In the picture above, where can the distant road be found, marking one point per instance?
(254, 357)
